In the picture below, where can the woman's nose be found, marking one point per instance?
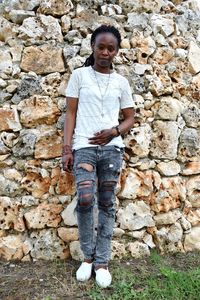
(105, 51)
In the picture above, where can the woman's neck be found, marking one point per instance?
(105, 70)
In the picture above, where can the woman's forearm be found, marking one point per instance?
(69, 125)
(128, 121)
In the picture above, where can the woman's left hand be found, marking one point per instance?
(103, 137)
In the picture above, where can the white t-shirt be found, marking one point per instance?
(94, 113)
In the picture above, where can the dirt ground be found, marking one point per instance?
(49, 280)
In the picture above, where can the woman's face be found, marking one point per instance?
(104, 48)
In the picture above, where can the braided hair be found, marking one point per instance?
(102, 29)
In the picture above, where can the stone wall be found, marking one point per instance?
(158, 197)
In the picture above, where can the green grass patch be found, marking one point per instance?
(162, 282)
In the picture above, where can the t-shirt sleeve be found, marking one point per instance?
(72, 89)
(126, 96)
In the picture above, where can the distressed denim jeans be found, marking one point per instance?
(96, 171)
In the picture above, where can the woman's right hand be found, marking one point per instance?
(67, 162)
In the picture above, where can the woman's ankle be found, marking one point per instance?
(89, 261)
(103, 266)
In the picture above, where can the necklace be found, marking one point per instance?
(102, 95)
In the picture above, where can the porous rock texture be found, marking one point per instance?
(158, 196)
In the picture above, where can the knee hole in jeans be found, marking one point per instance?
(85, 193)
(106, 192)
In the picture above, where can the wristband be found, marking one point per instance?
(118, 130)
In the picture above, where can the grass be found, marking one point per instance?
(163, 282)
(169, 277)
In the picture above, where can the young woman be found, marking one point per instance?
(93, 146)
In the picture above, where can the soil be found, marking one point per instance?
(55, 280)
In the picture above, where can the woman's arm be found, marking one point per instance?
(105, 136)
(69, 125)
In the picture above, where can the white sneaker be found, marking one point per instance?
(84, 272)
(103, 277)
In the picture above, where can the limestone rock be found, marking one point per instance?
(75, 62)
(42, 60)
(75, 251)
(135, 216)
(165, 140)
(65, 184)
(191, 168)
(189, 144)
(163, 55)
(170, 109)
(50, 84)
(192, 239)
(137, 234)
(48, 146)
(5, 30)
(160, 85)
(167, 218)
(145, 48)
(193, 57)
(138, 249)
(12, 174)
(55, 7)
(38, 110)
(162, 24)
(170, 168)
(69, 213)
(41, 28)
(194, 217)
(118, 250)
(85, 46)
(9, 120)
(3, 149)
(111, 9)
(18, 16)
(25, 4)
(65, 23)
(139, 140)
(163, 242)
(70, 52)
(29, 200)
(36, 184)
(175, 233)
(136, 184)
(11, 247)
(136, 20)
(125, 44)
(141, 68)
(43, 215)
(25, 144)
(118, 232)
(10, 216)
(170, 194)
(6, 65)
(8, 187)
(192, 115)
(47, 246)
(148, 240)
(185, 224)
(68, 234)
(148, 6)
(28, 87)
(193, 192)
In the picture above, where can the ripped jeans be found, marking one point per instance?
(96, 171)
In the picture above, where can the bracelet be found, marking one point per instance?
(118, 130)
(66, 149)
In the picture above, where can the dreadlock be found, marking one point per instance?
(102, 29)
